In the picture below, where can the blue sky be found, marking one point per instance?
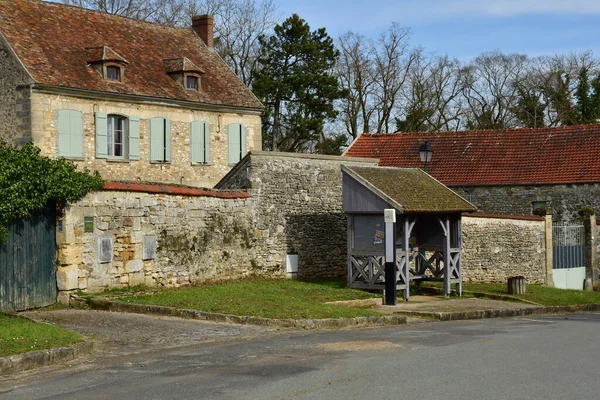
(464, 28)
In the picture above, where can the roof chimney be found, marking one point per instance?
(204, 27)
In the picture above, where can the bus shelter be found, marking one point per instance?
(428, 238)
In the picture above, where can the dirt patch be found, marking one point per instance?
(358, 345)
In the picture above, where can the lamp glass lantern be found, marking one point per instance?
(425, 153)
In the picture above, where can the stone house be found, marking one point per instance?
(134, 100)
(513, 171)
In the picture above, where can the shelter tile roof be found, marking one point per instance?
(157, 188)
(51, 40)
(410, 190)
(569, 154)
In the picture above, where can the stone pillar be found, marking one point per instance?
(548, 235)
(591, 266)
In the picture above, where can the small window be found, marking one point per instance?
(116, 136)
(191, 82)
(113, 73)
(539, 207)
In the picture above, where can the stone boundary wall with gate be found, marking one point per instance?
(497, 246)
(281, 204)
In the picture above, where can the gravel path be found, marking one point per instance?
(125, 333)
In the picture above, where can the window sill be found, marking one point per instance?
(118, 160)
(208, 164)
(160, 162)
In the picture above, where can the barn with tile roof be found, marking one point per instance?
(503, 171)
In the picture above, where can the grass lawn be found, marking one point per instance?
(19, 335)
(263, 298)
(540, 294)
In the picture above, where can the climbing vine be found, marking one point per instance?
(29, 181)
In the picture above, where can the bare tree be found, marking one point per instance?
(139, 9)
(432, 95)
(356, 73)
(490, 90)
(392, 63)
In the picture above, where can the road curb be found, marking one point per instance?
(326, 323)
(500, 313)
(41, 358)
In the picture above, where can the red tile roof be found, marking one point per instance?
(156, 188)
(494, 157)
(53, 40)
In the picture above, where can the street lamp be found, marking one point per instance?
(425, 153)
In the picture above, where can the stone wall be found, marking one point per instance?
(198, 239)
(44, 109)
(496, 248)
(295, 208)
(15, 115)
(298, 209)
(565, 201)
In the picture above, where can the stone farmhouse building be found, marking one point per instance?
(513, 171)
(134, 100)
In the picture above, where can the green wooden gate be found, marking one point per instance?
(28, 263)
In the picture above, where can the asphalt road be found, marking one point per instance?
(552, 357)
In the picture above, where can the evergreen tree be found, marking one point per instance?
(294, 80)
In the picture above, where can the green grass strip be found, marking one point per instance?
(263, 298)
(19, 335)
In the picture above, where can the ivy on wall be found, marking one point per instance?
(29, 181)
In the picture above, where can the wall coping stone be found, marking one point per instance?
(505, 216)
(312, 156)
(158, 188)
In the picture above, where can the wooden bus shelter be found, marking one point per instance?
(428, 229)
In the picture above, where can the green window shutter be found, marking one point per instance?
(200, 142)
(206, 134)
(156, 139)
(196, 142)
(76, 127)
(233, 133)
(168, 143)
(134, 138)
(243, 145)
(101, 135)
(64, 133)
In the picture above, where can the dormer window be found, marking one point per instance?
(185, 72)
(113, 73)
(191, 82)
(108, 63)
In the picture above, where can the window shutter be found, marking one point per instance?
(156, 139)
(64, 133)
(234, 144)
(243, 144)
(196, 142)
(76, 127)
(206, 134)
(101, 135)
(134, 138)
(168, 143)
(200, 142)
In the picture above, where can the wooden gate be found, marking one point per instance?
(28, 263)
